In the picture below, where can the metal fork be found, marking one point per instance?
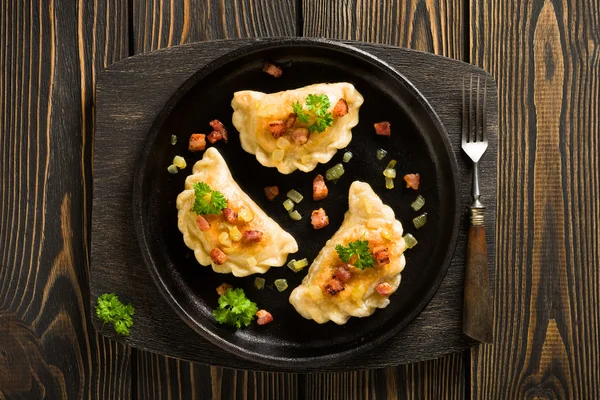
(478, 312)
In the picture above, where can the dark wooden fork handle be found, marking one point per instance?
(478, 307)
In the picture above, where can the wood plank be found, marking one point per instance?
(50, 52)
(546, 58)
(434, 26)
(164, 23)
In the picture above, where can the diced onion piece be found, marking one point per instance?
(389, 173)
(389, 183)
(373, 223)
(305, 159)
(347, 157)
(283, 143)
(358, 292)
(224, 239)
(300, 264)
(387, 235)
(228, 250)
(235, 234)
(173, 140)
(335, 172)
(288, 205)
(295, 215)
(420, 221)
(367, 205)
(391, 164)
(290, 265)
(315, 292)
(259, 283)
(295, 196)
(418, 203)
(172, 169)
(179, 162)
(410, 241)
(251, 261)
(381, 153)
(281, 284)
(245, 215)
(278, 155)
(225, 225)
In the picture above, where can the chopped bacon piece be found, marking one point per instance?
(202, 223)
(382, 255)
(300, 135)
(264, 317)
(412, 180)
(342, 273)
(383, 128)
(197, 142)
(272, 69)
(219, 127)
(214, 137)
(230, 215)
(319, 219)
(384, 289)
(223, 288)
(277, 128)
(252, 236)
(291, 120)
(320, 190)
(218, 256)
(271, 192)
(341, 108)
(334, 286)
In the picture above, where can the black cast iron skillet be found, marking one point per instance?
(418, 143)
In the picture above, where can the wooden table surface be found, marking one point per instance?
(545, 56)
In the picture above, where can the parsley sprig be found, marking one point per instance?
(110, 310)
(358, 250)
(235, 309)
(314, 109)
(207, 201)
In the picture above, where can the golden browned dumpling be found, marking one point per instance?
(336, 288)
(271, 128)
(239, 239)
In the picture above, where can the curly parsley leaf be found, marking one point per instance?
(110, 310)
(357, 253)
(235, 309)
(317, 106)
(207, 201)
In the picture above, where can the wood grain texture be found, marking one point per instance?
(50, 53)
(546, 58)
(435, 26)
(165, 23)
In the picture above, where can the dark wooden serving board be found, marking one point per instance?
(130, 94)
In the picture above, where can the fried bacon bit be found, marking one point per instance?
(223, 288)
(252, 236)
(272, 69)
(202, 223)
(230, 215)
(341, 108)
(300, 135)
(412, 180)
(334, 286)
(197, 142)
(264, 317)
(319, 219)
(320, 190)
(383, 128)
(382, 255)
(214, 137)
(218, 256)
(291, 120)
(277, 128)
(271, 192)
(342, 273)
(219, 127)
(384, 289)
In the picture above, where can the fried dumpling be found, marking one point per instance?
(239, 239)
(336, 289)
(281, 137)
